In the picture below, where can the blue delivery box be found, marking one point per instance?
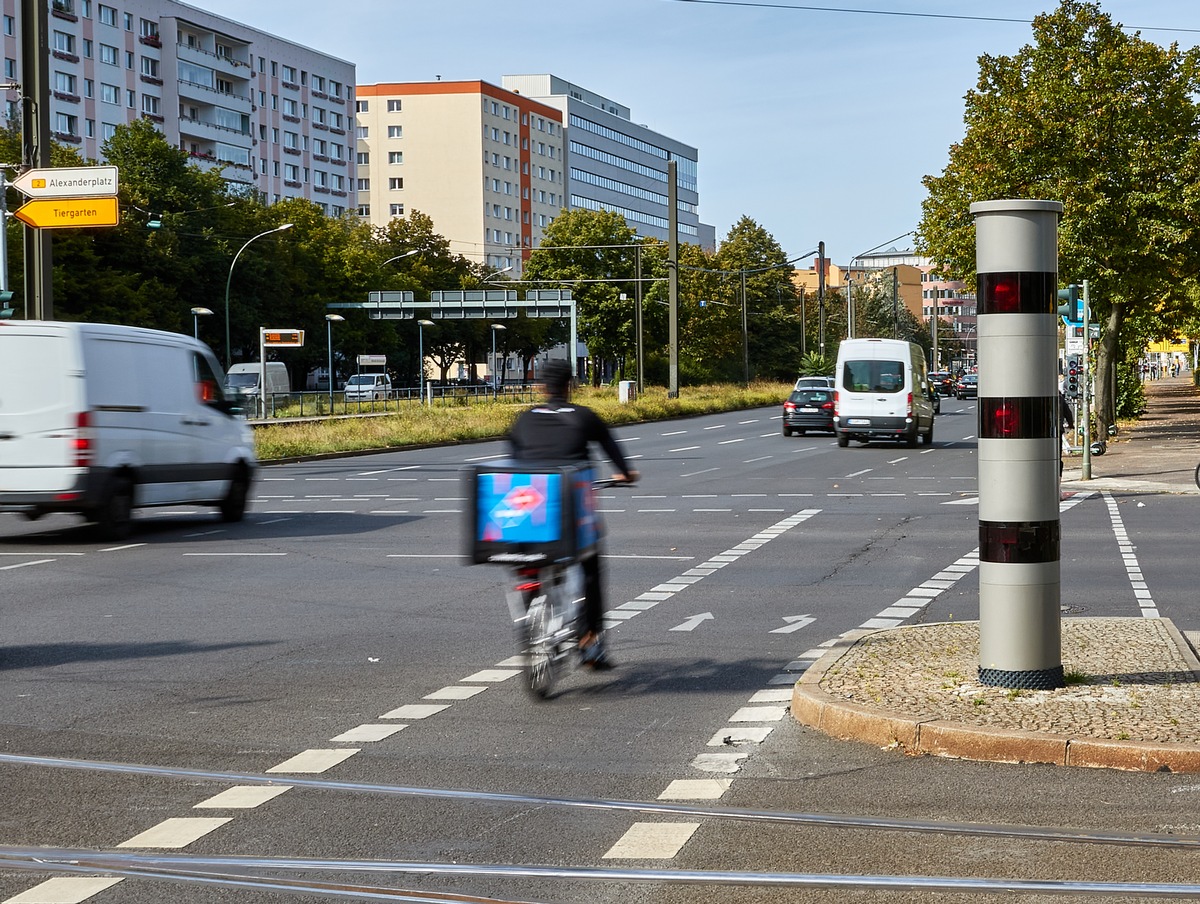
(523, 514)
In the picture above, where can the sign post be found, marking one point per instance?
(268, 338)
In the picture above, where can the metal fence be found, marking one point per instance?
(282, 405)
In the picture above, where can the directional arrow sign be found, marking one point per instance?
(794, 623)
(48, 213)
(694, 622)
(68, 182)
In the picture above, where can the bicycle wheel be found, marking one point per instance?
(1198, 475)
(537, 648)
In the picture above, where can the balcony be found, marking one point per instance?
(208, 95)
(151, 40)
(64, 9)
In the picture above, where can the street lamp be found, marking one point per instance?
(400, 257)
(421, 324)
(496, 327)
(197, 313)
(228, 349)
(329, 319)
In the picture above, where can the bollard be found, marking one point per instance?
(1020, 633)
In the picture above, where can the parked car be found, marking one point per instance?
(814, 383)
(943, 382)
(967, 387)
(368, 388)
(808, 409)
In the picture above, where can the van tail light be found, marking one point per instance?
(85, 453)
(835, 403)
(910, 404)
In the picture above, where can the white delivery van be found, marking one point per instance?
(97, 419)
(242, 382)
(882, 392)
(368, 387)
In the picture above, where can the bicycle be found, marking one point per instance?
(1197, 476)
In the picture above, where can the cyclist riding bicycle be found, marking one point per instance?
(556, 431)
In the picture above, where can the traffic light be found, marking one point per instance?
(1073, 387)
(6, 308)
(1072, 311)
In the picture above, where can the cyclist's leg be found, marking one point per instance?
(593, 595)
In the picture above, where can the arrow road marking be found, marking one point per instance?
(794, 623)
(694, 622)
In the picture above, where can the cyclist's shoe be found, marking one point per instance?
(594, 655)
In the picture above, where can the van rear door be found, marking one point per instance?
(41, 401)
(876, 390)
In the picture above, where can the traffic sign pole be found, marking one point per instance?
(1086, 472)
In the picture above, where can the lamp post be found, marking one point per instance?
(197, 313)
(229, 279)
(421, 324)
(329, 319)
(400, 257)
(496, 327)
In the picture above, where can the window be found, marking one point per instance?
(64, 83)
(363, 185)
(364, 210)
(395, 184)
(289, 73)
(393, 106)
(291, 140)
(290, 107)
(10, 25)
(89, 128)
(149, 29)
(318, 114)
(318, 83)
(395, 156)
(108, 54)
(362, 158)
(361, 132)
(66, 124)
(150, 67)
(320, 146)
(291, 172)
(64, 43)
(150, 104)
(335, 88)
(89, 88)
(335, 120)
(129, 21)
(320, 179)
(107, 130)
(337, 151)
(362, 106)
(396, 210)
(108, 15)
(337, 182)
(10, 69)
(395, 131)
(131, 99)
(129, 59)
(85, 8)
(110, 94)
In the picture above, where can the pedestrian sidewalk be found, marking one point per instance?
(1133, 683)
(1159, 454)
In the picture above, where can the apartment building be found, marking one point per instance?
(275, 116)
(486, 164)
(617, 165)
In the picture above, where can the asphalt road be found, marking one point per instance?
(338, 624)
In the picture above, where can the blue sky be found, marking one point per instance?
(819, 125)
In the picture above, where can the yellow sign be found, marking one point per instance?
(59, 213)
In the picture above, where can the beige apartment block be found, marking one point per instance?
(486, 164)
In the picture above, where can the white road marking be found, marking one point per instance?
(684, 449)
(715, 427)
(753, 420)
(896, 461)
(64, 890)
(652, 841)
(235, 554)
(719, 762)
(694, 622)
(177, 832)
(131, 545)
(740, 735)
(698, 473)
(493, 676)
(750, 461)
(696, 789)
(242, 797)
(311, 761)
(855, 474)
(771, 696)
(25, 564)
(759, 714)
(415, 711)
(674, 433)
(726, 442)
(366, 734)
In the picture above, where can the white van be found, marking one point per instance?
(97, 419)
(882, 391)
(368, 387)
(243, 381)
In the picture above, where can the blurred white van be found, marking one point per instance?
(118, 417)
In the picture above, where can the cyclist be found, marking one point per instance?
(555, 431)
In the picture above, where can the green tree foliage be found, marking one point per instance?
(1105, 122)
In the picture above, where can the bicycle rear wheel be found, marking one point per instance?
(537, 648)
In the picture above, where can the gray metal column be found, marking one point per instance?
(1019, 592)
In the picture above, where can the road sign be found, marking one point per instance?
(283, 338)
(372, 360)
(50, 213)
(68, 182)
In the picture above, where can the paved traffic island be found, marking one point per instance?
(1132, 695)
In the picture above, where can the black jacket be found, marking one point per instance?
(558, 430)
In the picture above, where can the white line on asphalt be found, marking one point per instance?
(751, 461)
(652, 841)
(855, 474)
(134, 545)
(242, 797)
(696, 789)
(698, 473)
(752, 420)
(234, 554)
(55, 554)
(274, 520)
(896, 461)
(415, 711)
(674, 433)
(424, 555)
(684, 449)
(726, 442)
(715, 427)
(367, 734)
(486, 457)
(24, 564)
(176, 832)
(64, 890)
(313, 761)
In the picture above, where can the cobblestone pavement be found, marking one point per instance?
(1133, 683)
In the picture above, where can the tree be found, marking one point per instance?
(1105, 122)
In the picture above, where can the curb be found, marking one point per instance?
(848, 721)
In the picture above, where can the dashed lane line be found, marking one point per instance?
(1133, 569)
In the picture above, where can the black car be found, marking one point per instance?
(808, 409)
(942, 381)
(967, 387)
